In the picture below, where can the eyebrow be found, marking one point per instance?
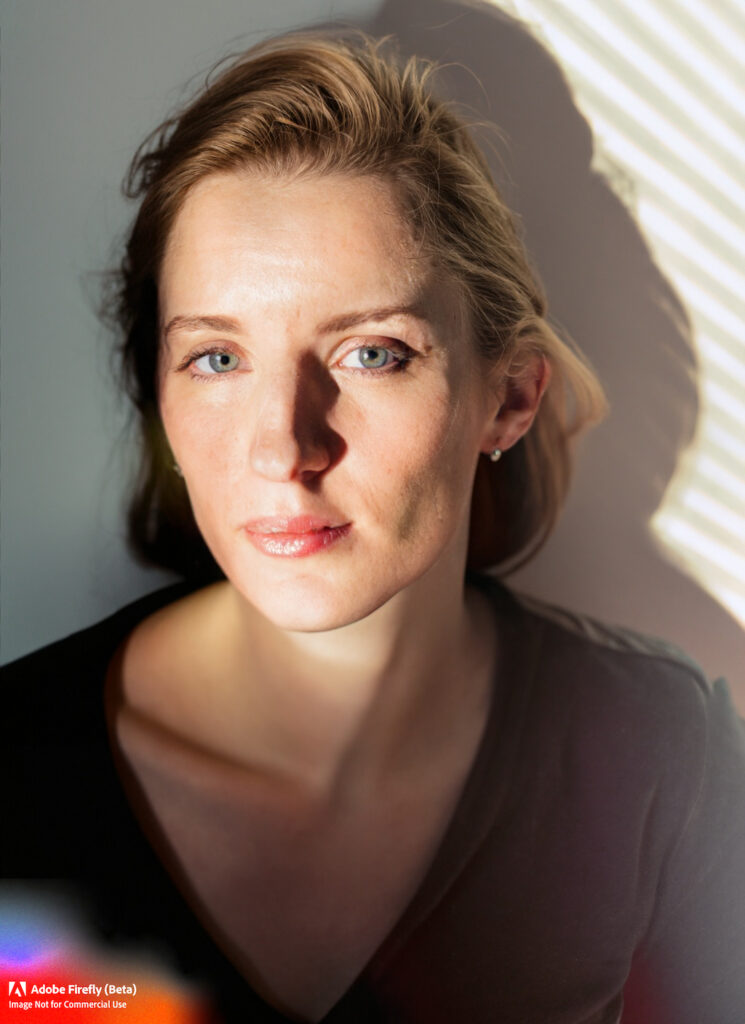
(347, 320)
(338, 323)
(201, 323)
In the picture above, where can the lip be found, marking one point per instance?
(290, 524)
(294, 536)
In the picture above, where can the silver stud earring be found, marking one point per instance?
(495, 454)
(177, 469)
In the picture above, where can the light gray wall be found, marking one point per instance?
(83, 83)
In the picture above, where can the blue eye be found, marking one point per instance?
(372, 357)
(216, 362)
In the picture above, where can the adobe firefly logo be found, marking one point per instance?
(16, 988)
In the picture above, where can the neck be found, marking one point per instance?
(340, 709)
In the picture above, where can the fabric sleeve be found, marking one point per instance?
(690, 965)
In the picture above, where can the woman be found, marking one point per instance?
(353, 779)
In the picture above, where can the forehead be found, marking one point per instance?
(281, 213)
(245, 236)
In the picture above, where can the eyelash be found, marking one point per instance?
(210, 350)
(402, 355)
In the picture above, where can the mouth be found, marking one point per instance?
(295, 536)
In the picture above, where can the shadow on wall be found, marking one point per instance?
(606, 291)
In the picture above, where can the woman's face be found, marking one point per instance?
(320, 392)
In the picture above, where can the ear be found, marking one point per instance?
(519, 397)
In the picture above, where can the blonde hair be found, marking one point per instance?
(323, 104)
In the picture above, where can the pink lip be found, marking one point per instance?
(294, 536)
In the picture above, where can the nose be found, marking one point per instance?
(292, 437)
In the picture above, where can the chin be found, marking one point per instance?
(310, 603)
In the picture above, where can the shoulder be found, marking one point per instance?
(49, 693)
(637, 765)
(631, 685)
(626, 731)
(616, 643)
(176, 644)
(609, 705)
(56, 749)
(581, 659)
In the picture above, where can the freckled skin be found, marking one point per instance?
(408, 517)
(299, 427)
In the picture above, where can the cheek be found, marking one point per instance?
(435, 495)
(202, 439)
(424, 481)
(410, 516)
